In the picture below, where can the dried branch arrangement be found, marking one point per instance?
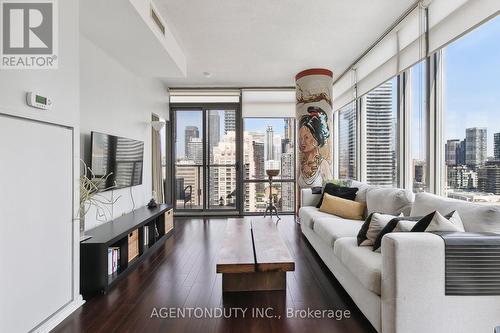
(90, 188)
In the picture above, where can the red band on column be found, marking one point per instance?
(314, 71)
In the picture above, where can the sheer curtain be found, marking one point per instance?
(157, 180)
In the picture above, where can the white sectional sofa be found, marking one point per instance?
(401, 289)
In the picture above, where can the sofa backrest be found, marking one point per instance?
(307, 198)
(476, 217)
(362, 188)
(384, 199)
(389, 201)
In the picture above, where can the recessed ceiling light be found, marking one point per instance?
(207, 74)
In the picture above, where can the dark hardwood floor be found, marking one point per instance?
(181, 274)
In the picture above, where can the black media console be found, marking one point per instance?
(144, 229)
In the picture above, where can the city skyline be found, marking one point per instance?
(194, 118)
(261, 141)
(471, 93)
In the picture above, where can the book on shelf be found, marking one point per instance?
(113, 259)
(146, 235)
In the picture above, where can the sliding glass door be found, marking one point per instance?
(206, 158)
(222, 157)
(189, 180)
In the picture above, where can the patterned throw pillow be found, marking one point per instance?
(437, 222)
(373, 225)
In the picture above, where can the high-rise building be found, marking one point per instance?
(277, 147)
(496, 142)
(419, 175)
(380, 166)
(229, 121)
(489, 177)
(188, 183)
(189, 133)
(213, 131)
(460, 177)
(269, 143)
(461, 152)
(287, 189)
(476, 146)
(451, 150)
(347, 147)
(289, 132)
(194, 150)
(258, 159)
(285, 145)
(223, 178)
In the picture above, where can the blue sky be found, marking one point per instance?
(472, 82)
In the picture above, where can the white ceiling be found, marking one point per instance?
(261, 43)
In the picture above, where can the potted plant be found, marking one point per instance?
(90, 196)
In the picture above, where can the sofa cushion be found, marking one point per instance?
(332, 228)
(475, 217)
(344, 208)
(309, 214)
(361, 261)
(343, 192)
(389, 200)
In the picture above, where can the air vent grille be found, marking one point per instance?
(472, 270)
(157, 21)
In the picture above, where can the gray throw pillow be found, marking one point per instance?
(375, 226)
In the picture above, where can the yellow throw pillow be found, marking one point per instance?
(347, 209)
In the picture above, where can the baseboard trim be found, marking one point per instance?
(59, 316)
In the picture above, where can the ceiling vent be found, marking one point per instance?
(158, 22)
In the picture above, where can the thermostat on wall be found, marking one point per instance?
(38, 101)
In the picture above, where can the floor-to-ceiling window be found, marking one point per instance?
(266, 139)
(471, 108)
(206, 158)
(379, 107)
(189, 159)
(416, 111)
(347, 142)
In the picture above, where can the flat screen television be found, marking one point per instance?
(120, 157)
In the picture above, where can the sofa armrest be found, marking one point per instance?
(413, 290)
(307, 198)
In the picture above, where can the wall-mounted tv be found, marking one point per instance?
(120, 157)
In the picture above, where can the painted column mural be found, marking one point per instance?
(314, 119)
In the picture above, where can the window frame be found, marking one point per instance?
(337, 118)
(292, 180)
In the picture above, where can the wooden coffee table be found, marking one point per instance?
(253, 256)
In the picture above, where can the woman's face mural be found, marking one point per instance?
(313, 130)
(307, 142)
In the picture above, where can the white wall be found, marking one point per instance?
(114, 101)
(62, 85)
